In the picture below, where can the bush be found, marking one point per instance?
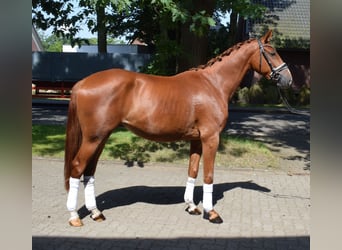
(266, 92)
(255, 94)
(304, 96)
(271, 95)
(242, 96)
(297, 97)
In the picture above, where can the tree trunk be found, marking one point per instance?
(241, 30)
(101, 29)
(233, 27)
(195, 47)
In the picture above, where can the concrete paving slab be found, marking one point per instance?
(145, 210)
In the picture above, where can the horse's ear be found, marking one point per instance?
(267, 37)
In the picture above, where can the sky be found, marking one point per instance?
(85, 33)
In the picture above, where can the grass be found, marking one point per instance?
(48, 141)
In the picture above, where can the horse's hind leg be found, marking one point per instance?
(84, 163)
(89, 186)
(195, 156)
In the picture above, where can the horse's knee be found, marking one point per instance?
(193, 172)
(208, 179)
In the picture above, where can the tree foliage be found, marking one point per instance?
(178, 31)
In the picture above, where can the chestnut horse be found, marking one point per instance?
(192, 106)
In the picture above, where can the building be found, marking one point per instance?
(289, 19)
(290, 22)
(36, 46)
(111, 48)
(36, 42)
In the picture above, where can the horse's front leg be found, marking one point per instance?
(210, 146)
(195, 156)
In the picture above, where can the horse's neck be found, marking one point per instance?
(230, 71)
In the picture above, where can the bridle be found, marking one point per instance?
(275, 76)
(275, 71)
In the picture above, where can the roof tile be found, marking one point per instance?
(291, 18)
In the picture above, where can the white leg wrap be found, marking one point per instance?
(207, 197)
(95, 213)
(89, 192)
(73, 215)
(72, 195)
(189, 192)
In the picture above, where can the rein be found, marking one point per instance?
(274, 75)
(289, 107)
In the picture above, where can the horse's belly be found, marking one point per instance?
(161, 119)
(164, 131)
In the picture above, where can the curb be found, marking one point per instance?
(49, 102)
(65, 103)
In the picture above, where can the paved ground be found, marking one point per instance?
(287, 135)
(144, 209)
(144, 206)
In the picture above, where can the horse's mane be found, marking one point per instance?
(223, 54)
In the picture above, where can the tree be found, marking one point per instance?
(67, 18)
(52, 43)
(184, 35)
(177, 30)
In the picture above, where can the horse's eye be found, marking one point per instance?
(272, 52)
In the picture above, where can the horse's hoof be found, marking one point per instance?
(194, 211)
(76, 222)
(216, 220)
(213, 217)
(98, 217)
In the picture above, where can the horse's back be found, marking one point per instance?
(107, 77)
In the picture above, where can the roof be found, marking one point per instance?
(290, 19)
(36, 42)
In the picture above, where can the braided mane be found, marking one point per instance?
(223, 54)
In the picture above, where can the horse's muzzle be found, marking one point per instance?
(284, 82)
(282, 76)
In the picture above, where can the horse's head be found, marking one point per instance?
(267, 62)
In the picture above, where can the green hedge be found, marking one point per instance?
(266, 92)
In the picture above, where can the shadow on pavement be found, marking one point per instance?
(162, 195)
(274, 243)
(281, 131)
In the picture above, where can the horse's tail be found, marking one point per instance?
(72, 141)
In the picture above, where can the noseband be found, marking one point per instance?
(275, 71)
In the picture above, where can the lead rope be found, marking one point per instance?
(291, 109)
